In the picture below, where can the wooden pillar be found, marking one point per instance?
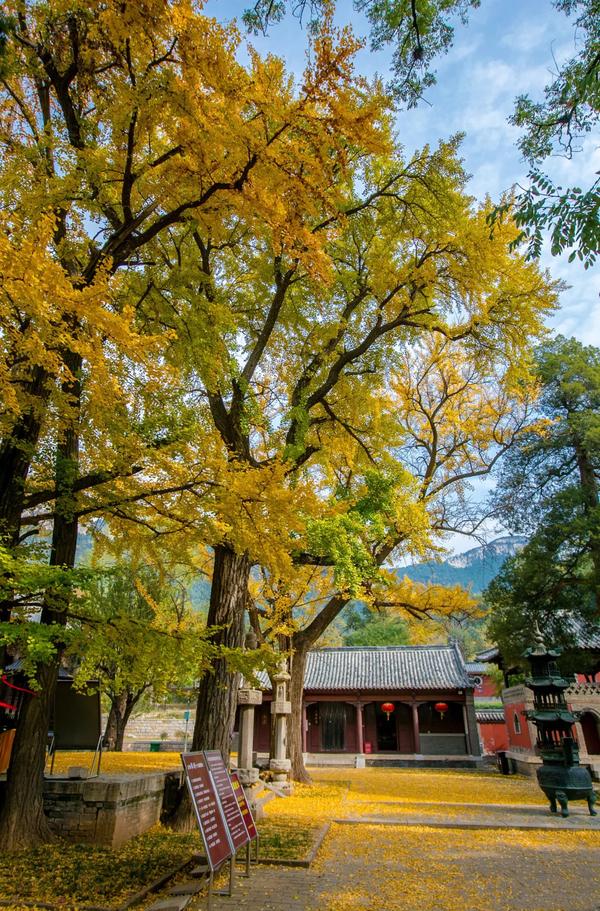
(415, 721)
(304, 729)
(467, 732)
(470, 722)
(359, 728)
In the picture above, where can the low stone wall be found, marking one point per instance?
(107, 810)
(443, 745)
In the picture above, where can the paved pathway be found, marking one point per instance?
(408, 866)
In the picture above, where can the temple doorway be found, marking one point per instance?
(387, 734)
(333, 726)
(590, 727)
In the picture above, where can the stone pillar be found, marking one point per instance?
(414, 707)
(279, 764)
(247, 699)
(470, 722)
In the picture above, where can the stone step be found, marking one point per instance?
(174, 903)
(187, 888)
(201, 870)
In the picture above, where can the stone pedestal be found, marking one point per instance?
(247, 699)
(279, 764)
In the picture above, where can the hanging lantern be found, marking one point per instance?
(388, 708)
(442, 708)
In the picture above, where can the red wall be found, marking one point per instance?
(488, 687)
(493, 737)
(523, 739)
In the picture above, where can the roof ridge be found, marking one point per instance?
(379, 648)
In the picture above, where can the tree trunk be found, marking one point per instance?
(217, 696)
(126, 706)
(121, 707)
(22, 820)
(302, 641)
(295, 732)
(16, 453)
(110, 731)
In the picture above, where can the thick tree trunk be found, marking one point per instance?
(16, 453)
(217, 696)
(22, 820)
(295, 732)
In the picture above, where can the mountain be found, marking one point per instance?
(473, 569)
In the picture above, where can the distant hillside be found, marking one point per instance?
(474, 569)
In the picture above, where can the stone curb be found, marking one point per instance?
(429, 823)
(305, 862)
(153, 887)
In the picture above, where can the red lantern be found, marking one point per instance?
(441, 707)
(388, 708)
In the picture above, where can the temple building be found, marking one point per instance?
(388, 705)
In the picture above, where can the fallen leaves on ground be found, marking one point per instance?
(434, 785)
(92, 874)
(128, 763)
(383, 868)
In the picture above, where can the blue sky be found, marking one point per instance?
(508, 48)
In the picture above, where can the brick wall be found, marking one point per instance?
(107, 810)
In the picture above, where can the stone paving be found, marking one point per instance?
(519, 871)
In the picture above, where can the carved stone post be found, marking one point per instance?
(247, 699)
(279, 764)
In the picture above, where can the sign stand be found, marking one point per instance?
(248, 820)
(209, 813)
(224, 818)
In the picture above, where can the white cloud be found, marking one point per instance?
(526, 37)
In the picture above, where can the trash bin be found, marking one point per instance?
(503, 762)
(155, 746)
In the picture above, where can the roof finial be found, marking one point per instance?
(539, 639)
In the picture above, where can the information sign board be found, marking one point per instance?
(243, 805)
(238, 832)
(207, 806)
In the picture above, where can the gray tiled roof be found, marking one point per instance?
(402, 667)
(586, 635)
(479, 667)
(489, 716)
(488, 654)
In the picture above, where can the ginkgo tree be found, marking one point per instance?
(228, 266)
(450, 413)
(307, 352)
(120, 122)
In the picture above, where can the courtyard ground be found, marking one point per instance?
(398, 839)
